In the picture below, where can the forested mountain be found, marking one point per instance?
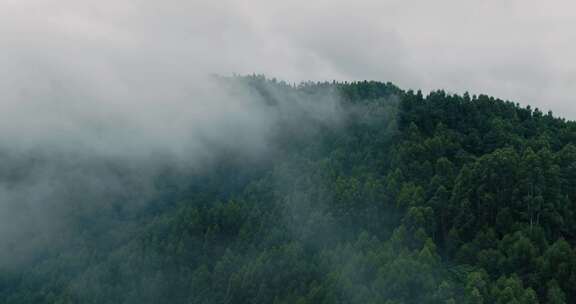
(396, 198)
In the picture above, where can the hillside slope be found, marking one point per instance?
(404, 199)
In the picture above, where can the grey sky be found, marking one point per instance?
(518, 50)
(124, 81)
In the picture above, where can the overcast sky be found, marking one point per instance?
(522, 50)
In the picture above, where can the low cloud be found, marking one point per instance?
(130, 81)
(518, 50)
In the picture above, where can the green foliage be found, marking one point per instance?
(411, 199)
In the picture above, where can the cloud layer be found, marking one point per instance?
(518, 50)
(88, 85)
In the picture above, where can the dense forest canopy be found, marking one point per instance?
(394, 197)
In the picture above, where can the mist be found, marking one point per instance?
(99, 99)
(131, 83)
(137, 163)
(131, 80)
(517, 50)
